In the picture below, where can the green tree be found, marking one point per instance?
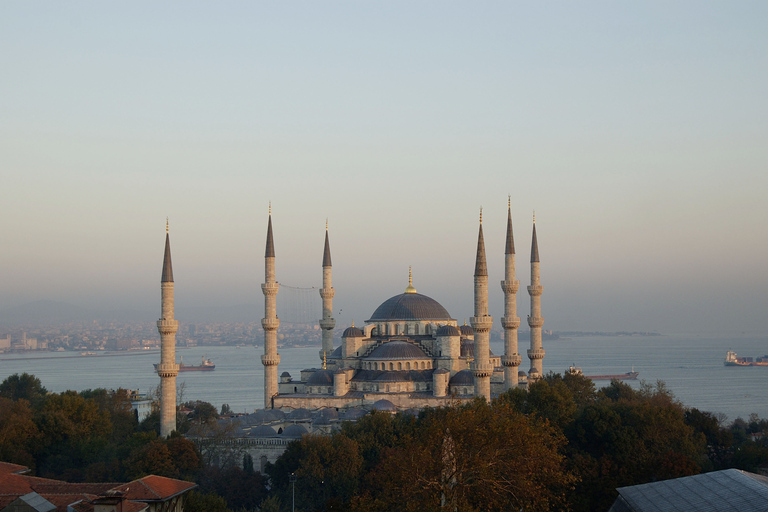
(19, 434)
(23, 387)
(204, 502)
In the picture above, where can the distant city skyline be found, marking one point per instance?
(636, 132)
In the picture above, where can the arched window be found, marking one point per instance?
(391, 367)
(407, 366)
(295, 389)
(387, 388)
(399, 366)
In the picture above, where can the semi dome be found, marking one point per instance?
(294, 431)
(462, 378)
(409, 306)
(448, 330)
(321, 378)
(352, 332)
(384, 405)
(397, 350)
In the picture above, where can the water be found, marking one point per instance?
(691, 367)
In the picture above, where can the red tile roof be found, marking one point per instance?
(154, 488)
(7, 467)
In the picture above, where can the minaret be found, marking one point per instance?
(535, 320)
(167, 327)
(270, 322)
(481, 322)
(510, 321)
(327, 323)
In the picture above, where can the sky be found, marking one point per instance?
(636, 131)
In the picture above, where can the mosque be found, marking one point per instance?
(409, 354)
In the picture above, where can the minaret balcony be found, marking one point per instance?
(327, 293)
(481, 323)
(270, 289)
(168, 369)
(535, 290)
(510, 323)
(510, 286)
(535, 321)
(513, 360)
(270, 324)
(482, 369)
(536, 353)
(270, 360)
(167, 326)
(327, 324)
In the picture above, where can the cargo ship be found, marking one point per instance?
(205, 366)
(623, 376)
(731, 359)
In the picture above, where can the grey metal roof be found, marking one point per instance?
(294, 431)
(510, 249)
(270, 251)
(352, 332)
(448, 330)
(534, 247)
(467, 330)
(336, 354)
(326, 252)
(481, 269)
(320, 378)
(397, 350)
(410, 306)
(36, 502)
(393, 376)
(299, 414)
(467, 348)
(462, 378)
(167, 267)
(384, 405)
(262, 431)
(719, 491)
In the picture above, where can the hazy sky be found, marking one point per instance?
(638, 133)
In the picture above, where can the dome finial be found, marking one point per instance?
(270, 208)
(481, 215)
(324, 365)
(509, 201)
(326, 223)
(353, 322)
(534, 216)
(410, 288)
(166, 225)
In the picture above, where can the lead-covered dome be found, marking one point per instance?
(398, 350)
(410, 306)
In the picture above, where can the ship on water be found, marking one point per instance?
(575, 370)
(731, 359)
(205, 366)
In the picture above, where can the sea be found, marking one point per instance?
(691, 367)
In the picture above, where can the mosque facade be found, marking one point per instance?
(411, 352)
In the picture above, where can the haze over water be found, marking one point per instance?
(692, 368)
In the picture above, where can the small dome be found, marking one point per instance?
(262, 431)
(410, 306)
(384, 405)
(521, 373)
(467, 330)
(326, 415)
(285, 374)
(299, 414)
(440, 371)
(294, 431)
(462, 378)
(352, 414)
(352, 332)
(397, 350)
(321, 378)
(467, 348)
(448, 330)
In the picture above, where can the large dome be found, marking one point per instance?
(410, 306)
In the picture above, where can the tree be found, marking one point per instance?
(18, 433)
(204, 502)
(23, 387)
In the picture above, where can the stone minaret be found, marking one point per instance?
(481, 322)
(270, 322)
(167, 326)
(535, 320)
(327, 323)
(510, 321)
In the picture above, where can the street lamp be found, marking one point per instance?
(292, 479)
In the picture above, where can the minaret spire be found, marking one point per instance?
(167, 326)
(482, 321)
(535, 320)
(270, 322)
(327, 322)
(510, 321)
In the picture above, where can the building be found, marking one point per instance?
(20, 492)
(718, 491)
(411, 352)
